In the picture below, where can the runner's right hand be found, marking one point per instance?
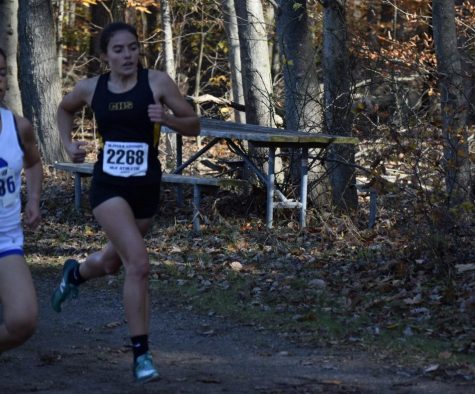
(76, 151)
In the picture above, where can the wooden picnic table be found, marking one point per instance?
(265, 137)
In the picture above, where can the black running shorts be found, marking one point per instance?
(143, 199)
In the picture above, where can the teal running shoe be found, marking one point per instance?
(65, 290)
(144, 371)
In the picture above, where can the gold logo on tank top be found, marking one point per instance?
(121, 106)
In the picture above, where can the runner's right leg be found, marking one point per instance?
(18, 299)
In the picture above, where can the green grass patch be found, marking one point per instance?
(320, 322)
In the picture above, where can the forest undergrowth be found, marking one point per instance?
(404, 288)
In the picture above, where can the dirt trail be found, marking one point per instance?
(85, 350)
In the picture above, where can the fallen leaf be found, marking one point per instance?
(236, 266)
(445, 355)
(431, 368)
(113, 324)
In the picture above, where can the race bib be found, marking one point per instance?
(125, 159)
(8, 190)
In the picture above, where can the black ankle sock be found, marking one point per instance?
(139, 345)
(75, 277)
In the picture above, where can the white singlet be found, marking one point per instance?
(11, 165)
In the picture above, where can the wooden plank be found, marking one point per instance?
(190, 180)
(231, 130)
(81, 168)
(86, 169)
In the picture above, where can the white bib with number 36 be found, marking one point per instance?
(8, 189)
(125, 159)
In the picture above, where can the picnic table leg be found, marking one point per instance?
(270, 188)
(179, 161)
(196, 208)
(77, 191)
(303, 187)
(372, 208)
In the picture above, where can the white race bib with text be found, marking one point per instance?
(8, 189)
(125, 159)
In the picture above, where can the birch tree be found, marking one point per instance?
(169, 64)
(9, 43)
(168, 54)
(231, 28)
(256, 71)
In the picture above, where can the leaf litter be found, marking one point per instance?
(335, 284)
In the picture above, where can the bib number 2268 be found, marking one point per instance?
(125, 159)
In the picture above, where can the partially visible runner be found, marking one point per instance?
(18, 151)
(129, 105)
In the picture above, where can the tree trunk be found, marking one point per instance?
(467, 53)
(59, 35)
(255, 61)
(150, 24)
(118, 8)
(100, 17)
(274, 47)
(256, 73)
(39, 76)
(336, 75)
(453, 102)
(169, 63)
(169, 58)
(231, 27)
(302, 108)
(9, 43)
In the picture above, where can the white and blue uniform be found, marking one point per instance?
(11, 165)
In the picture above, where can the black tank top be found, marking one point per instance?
(127, 134)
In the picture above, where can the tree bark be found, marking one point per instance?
(39, 76)
(150, 23)
(118, 8)
(338, 120)
(255, 61)
(256, 73)
(9, 43)
(100, 17)
(59, 35)
(453, 103)
(231, 28)
(302, 108)
(169, 57)
(169, 63)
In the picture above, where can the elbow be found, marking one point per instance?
(197, 131)
(193, 129)
(197, 127)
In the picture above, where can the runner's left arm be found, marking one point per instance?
(33, 172)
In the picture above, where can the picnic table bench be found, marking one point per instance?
(80, 170)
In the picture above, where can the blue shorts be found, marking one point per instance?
(143, 199)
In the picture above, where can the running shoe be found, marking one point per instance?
(144, 371)
(65, 290)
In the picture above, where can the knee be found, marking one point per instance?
(138, 269)
(112, 268)
(22, 327)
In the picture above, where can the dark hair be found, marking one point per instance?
(3, 54)
(110, 30)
